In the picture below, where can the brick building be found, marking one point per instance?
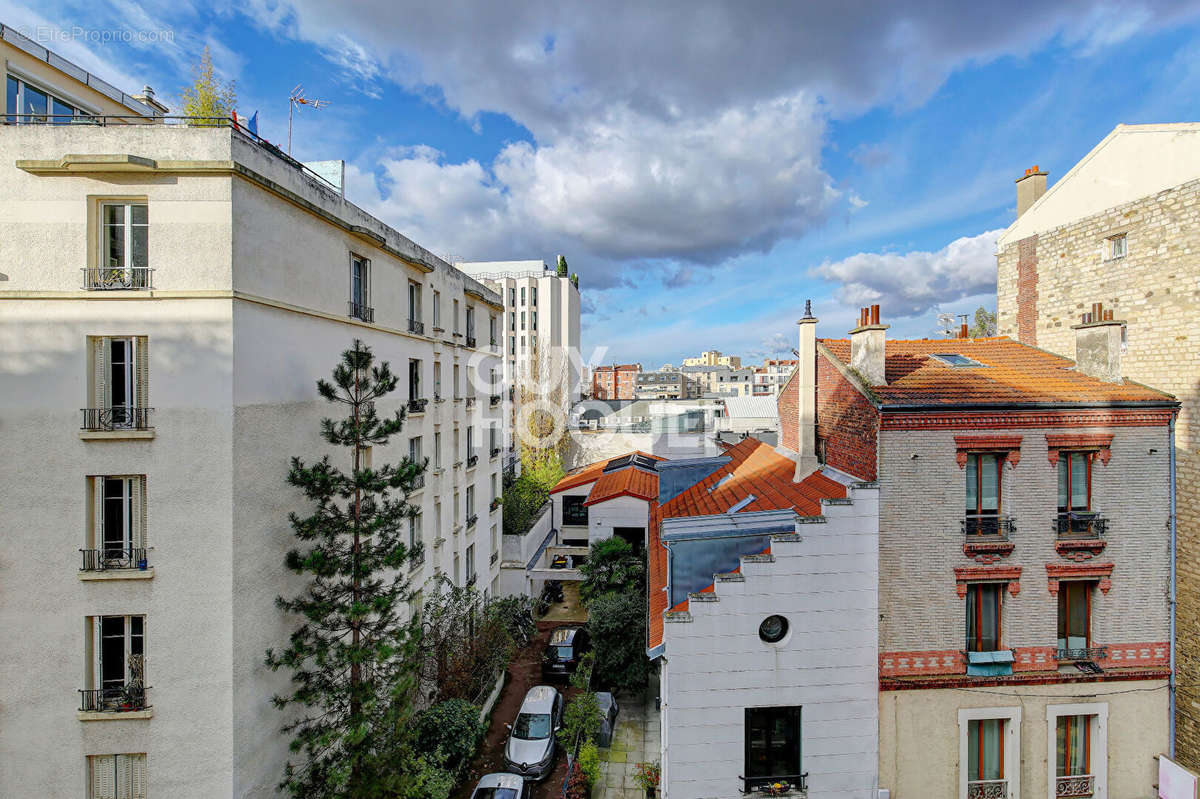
(1122, 228)
(1023, 555)
(616, 382)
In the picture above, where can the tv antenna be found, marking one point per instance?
(946, 324)
(297, 98)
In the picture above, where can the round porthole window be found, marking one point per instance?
(773, 629)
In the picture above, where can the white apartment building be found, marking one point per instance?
(541, 320)
(770, 377)
(186, 287)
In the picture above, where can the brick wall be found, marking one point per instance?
(847, 421)
(921, 543)
(787, 404)
(1155, 288)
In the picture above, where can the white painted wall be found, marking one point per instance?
(716, 665)
(616, 512)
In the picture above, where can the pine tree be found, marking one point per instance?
(562, 266)
(353, 657)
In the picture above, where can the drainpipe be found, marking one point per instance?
(1171, 598)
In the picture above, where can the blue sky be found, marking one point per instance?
(704, 166)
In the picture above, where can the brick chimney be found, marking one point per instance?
(806, 375)
(1030, 187)
(866, 346)
(1098, 344)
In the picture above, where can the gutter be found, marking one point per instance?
(1172, 589)
(1018, 406)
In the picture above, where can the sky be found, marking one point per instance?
(705, 167)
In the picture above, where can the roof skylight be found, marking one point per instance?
(954, 359)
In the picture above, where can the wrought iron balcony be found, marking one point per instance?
(1083, 653)
(418, 482)
(472, 519)
(495, 557)
(789, 783)
(98, 560)
(494, 400)
(417, 405)
(495, 451)
(118, 418)
(1080, 524)
(114, 699)
(987, 789)
(472, 460)
(994, 525)
(364, 313)
(116, 278)
(416, 326)
(438, 398)
(470, 402)
(471, 342)
(471, 579)
(1075, 786)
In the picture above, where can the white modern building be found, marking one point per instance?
(539, 333)
(186, 287)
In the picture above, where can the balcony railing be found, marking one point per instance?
(495, 557)
(472, 519)
(494, 400)
(766, 785)
(495, 503)
(417, 405)
(364, 313)
(471, 579)
(115, 278)
(470, 402)
(418, 482)
(1074, 786)
(495, 451)
(1080, 524)
(471, 342)
(98, 560)
(472, 460)
(114, 699)
(416, 326)
(996, 526)
(1083, 653)
(987, 789)
(119, 418)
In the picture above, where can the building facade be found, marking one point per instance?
(714, 358)
(1121, 228)
(771, 376)
(616, 382)
(538, 334)
(1024, 557)
(660, 385)
(186, 287)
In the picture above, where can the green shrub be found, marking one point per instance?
(451, 729)
(516, 614)
(589, 762)
(611, 566)
(581, 720)
(617, 622)
(422, 778)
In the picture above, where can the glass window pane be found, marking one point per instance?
(62, 112)
(1063, 486)
(34, 103)
(993, 749)
(972, 482)
(989, 618)
(1079, 481)
(13, 86)
(139, 214)
(1077, 621)
(990, 477)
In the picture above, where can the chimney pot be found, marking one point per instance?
(1030, 187)
(874, 314)
(1098, 345)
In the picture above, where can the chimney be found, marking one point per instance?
(147, 98)
(866, 346)
(1098, 344)
(806, 437)
(1030, 187)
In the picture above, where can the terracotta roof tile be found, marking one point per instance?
(1010, 372)
(592, 472)
(630, 481)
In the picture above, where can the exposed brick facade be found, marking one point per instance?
(847, 422)
(617, 382)
(1155, 288)
(1027, 293)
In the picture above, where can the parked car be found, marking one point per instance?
(500, 786)
(530, 749)
(608, 713)
(567, 645)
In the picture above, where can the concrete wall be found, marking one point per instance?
(716, 665)
(919, 737)
(587, 447)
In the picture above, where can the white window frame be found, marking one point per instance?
(127, 228)
(1012, 745)
(1099, 744)
(130, 377)
(364, 280)
(98, 643)
(437, 310)
(1111, 246)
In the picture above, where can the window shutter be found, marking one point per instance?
(137, 774)
(99, 398)
(104, 776)
(142, 355)
(97, 532)
(96, 667)
(139, 512)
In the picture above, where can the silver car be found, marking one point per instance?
(500, 786)
(530, 748)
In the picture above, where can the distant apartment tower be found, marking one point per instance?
(771, 376)
(616, 382)
(714, 358)
(661, 385)
(1122, 228)
(540, 328)
(171, 294)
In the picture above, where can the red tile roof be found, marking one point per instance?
(1011, 372)
(594, 471)
(754, 468)
(630, 482)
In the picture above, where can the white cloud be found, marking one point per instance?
(912, 283)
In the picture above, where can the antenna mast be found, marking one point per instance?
(297, 98)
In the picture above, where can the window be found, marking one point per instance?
(414, 536)
(493, 439)
(124, 247)
(470, 564)
(414, 450)
(456, 452)
(983, 493)
(772, 746)
(470, 441)
(117, 538)
(574, 511)
(1074, 492)
(360, 289)
(522, 295)
(437, 450)
(437, 310)
(512, 345)
(456, 382)
(117, 776)
(455, 319)
(117, 674)
(533, 320)
(414, 302)
(512, 320)
(985, 752)
(28, 104)
(773, 629)
(492, 330)
(1117, 246)
(119, 383)
(512, 297)
(1074, 618)
(470, 322)
(457, 510)
(493, 479)
(437, 379)
(522, 320)
(533, 296)
(983, 617)
(470, 503)
(414, 379)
